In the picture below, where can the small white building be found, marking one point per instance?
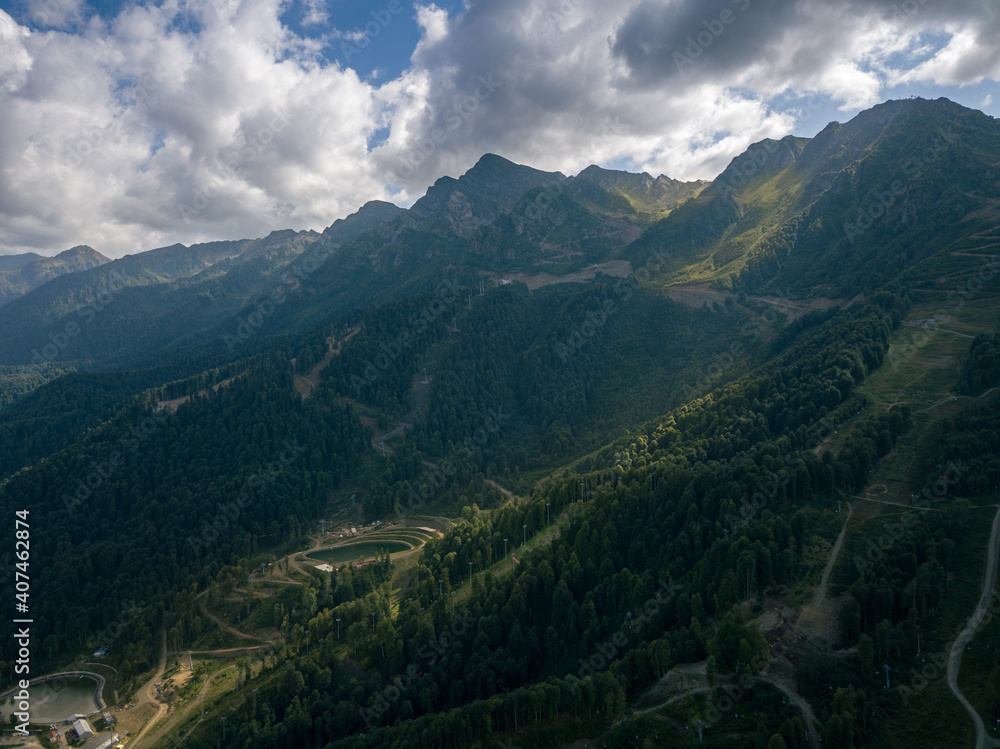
(104, 741)
(83, 729)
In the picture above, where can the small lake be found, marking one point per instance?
(54, 701)
(350, 552)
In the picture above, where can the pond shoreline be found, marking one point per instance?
(393, 546)
(98, 697)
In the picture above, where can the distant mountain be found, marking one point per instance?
(372, 214)
(13, 262)
(642, 190)
(143, 302)
(765, 157)
(834, 215)
(492, 187)
(903, 184)
(19, 274)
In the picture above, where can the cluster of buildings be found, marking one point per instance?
(350, 530)
(81, 730)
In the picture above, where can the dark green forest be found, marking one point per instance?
(623, 489)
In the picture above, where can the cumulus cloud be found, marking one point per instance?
(58, 14)
(135, 132)
(315, 13)
(689, 83)
(182, 122)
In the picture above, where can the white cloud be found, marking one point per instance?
(14, 58)
(433, 21)
(315, 13)
(58, 14)
(966, 59)
(137, 132)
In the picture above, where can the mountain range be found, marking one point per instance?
(636, 457)
(835, 215)
(19, 274)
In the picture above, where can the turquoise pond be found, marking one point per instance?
(54, 701)
(350, 552)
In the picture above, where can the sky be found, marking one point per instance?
(132, 125)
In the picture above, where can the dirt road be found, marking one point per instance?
(231, 630)
(178, 718)
(965, 636)
(824, 582)
(147, 693)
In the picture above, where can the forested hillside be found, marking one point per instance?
(629, 458)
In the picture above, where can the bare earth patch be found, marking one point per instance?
(618, 268)
(181, 678)
(172, 404)
(700, 294)
(305, 384)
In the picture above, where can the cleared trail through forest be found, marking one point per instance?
(965, 636)
(147, 693)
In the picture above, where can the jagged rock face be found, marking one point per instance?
(371, 215)
(643, 188)
(492, 187)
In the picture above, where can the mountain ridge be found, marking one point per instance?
(761, 225)
(19, 278)
(599, 488)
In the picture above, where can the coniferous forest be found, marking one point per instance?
(582, 461)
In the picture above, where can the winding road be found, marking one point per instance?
(147, 693)
(965, 636)
(808, 716)
(178, 718)
(231, 630)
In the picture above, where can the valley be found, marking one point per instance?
(540, 461)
